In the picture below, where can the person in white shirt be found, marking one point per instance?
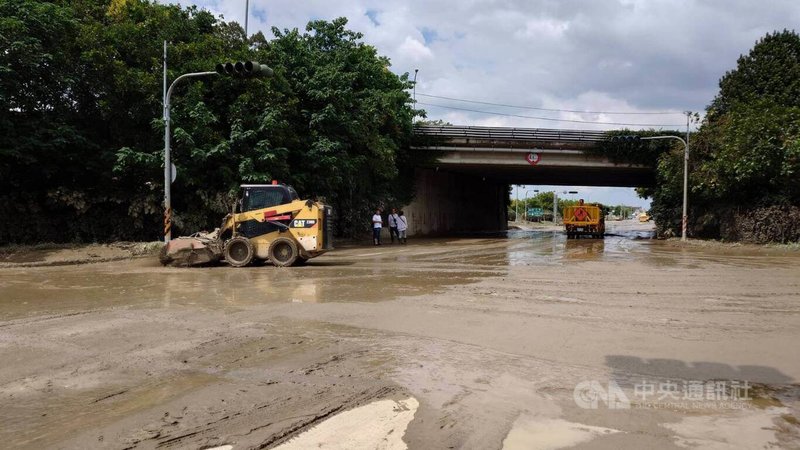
(393, 225)
(377, 224)
(402, 226)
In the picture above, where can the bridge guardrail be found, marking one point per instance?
(507, 133)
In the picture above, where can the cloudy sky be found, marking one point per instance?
(604, 56)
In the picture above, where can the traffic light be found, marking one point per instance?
(628, 138)
(244, 69)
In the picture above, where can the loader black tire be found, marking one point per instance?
(239, 251)
(283, 252)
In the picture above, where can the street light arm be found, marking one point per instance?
(167, 156)
(240, 68)
(651, 138)
(185, 76)
(685, 216)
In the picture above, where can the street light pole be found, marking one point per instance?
(685, 217)
(555, 207)
(414, 95)
(167, 156)
(239, 69)
(555, 204)
(416, 71)
(525, 213)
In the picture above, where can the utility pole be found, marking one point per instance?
(685, 218)
(555, 207)
(164, 92)
(414, 96)
(525, 213)
(246, 16)
(167, 161)
(416, 71)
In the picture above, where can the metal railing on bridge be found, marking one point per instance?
(508, 134)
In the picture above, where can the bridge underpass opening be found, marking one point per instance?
(465, 183)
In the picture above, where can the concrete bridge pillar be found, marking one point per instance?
(446, 202)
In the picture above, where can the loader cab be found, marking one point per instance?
(258, 196)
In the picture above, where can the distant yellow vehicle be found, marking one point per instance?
(644, 217)
(584, 220)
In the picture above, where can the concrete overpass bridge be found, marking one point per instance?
(463, 184)
(528, 156)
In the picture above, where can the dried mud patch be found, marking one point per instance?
(42, 255)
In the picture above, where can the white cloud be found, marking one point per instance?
(543, 29)
(414, 50)
(620, 55)
(611, 55)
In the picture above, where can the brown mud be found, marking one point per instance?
(63, 254)
(492, 335)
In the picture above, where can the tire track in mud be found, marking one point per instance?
(38, 319)
(265, 380)
(480, 332)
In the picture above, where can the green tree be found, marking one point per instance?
(745, 156)
(39, 141)
(81, 139)
(353, 119)
(769, 72)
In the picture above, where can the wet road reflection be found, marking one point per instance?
(349, 274)
(486, 329)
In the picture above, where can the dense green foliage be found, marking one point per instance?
(770, 72)
(638, 152)
(746, 154)
(744, 158)
(542, 200)
(81, 135)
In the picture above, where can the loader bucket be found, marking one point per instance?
(190, 251)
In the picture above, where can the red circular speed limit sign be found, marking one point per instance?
(533, 158)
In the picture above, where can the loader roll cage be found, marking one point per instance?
(259, 196)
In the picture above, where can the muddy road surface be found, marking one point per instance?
(517, 341)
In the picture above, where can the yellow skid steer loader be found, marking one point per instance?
(268, 222)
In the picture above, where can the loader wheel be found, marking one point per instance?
(283, 252)
(239, 251)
